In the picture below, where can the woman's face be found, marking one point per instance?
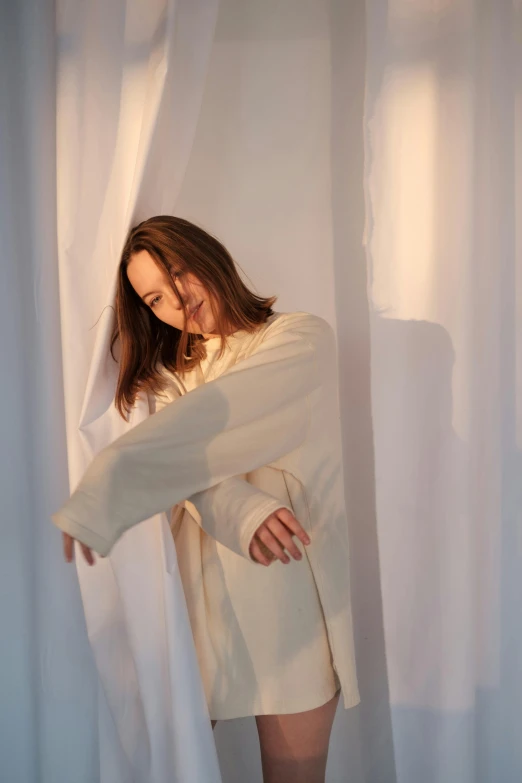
(151, 283)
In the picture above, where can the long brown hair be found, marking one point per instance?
(146, 344)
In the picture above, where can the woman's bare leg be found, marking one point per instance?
(294, 748)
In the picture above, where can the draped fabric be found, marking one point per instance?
(130, 84)
(443, 137)
(46, 669)
(397, 219)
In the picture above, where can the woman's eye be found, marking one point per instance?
(153, 301)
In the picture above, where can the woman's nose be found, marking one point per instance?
(177, 304)
(182, 293)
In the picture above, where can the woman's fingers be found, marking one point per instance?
(68, 547)
(259, 555)
(275, 535)
(283, 535)
(291, 522)
(87, 553)
(271, 542)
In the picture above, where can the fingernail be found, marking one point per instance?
(307, 540)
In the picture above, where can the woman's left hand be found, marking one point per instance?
(68, 549)
(275, 535)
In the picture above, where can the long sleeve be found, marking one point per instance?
(253, 414)
(231, 512)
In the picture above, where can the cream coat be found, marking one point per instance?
(276, 408)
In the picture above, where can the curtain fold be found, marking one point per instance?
(46, 667)
(130, 84)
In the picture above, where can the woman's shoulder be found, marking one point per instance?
(300, 321)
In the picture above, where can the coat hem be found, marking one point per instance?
(278, 708)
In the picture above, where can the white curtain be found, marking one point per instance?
(362, 161)
(443, 179)
(47, 677)
(130, 83)
(125, 81)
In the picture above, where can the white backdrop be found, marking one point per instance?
(394, 218)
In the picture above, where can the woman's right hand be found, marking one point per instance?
(68, 549)
(275, 535)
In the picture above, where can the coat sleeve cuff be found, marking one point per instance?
(87, 536)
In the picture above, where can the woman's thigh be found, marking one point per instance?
(294, 748)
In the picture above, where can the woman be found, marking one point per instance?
(244, 449)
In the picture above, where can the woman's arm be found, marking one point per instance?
(232, 511)
(250, 416)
